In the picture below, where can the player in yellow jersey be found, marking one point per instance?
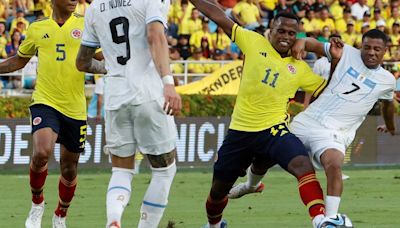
(58, 109)
(258, 133)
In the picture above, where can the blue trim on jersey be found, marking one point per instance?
(369, 83)
(90, 44)
(353, 72)
(118, 187)
(154, 204)
(327, 53)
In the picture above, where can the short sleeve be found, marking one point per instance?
(157, 10)
(28, 46)
(389, 93)
(90, 38)
(311, 82)
(244, 38)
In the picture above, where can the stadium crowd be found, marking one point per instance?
(193, 37)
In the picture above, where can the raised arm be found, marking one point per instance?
(387, 108)
(13, 63)
(215, 14)
(159, 51)
(312, 45)
(85, 61)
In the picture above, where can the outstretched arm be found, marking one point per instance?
(13, 63)
(159, 51)
(312, 45)
(388, 116)
(215, 14)
(85, 61)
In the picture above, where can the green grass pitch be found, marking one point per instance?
(371, 199)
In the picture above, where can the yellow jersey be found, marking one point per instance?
(59, 84)
(268, 82)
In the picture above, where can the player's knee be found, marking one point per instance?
(69, 171)
(334, 165)
(165, 172)
(41, 155)
(300, 165)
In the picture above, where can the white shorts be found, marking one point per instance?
(318, 138)
(144, 127)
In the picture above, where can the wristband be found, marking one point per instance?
(168, 80)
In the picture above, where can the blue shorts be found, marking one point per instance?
(71, 132)
(275, 145)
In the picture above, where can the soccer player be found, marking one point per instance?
(329, 124)
(258, 132)
(58, 109)
(139, 104)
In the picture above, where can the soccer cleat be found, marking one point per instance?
(59, 222)
(224, 224)
(114, 225)
(345, 177)
(242, 189)
(34, 219)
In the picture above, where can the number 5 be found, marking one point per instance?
(60, 50)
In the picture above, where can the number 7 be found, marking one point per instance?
(357, 87)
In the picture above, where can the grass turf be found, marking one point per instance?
(371, 199)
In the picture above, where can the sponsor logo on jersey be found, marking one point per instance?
(291, 68)
(76, 33)
(37, 121)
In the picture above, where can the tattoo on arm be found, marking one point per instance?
(13, 63)
(85, 61)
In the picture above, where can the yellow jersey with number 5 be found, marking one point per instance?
(59, 84)
(268, 82)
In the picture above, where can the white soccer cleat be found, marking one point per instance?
(34, 219)
(345, 177)
(59, 222)
(242, 189)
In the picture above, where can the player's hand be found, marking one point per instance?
(98, 118)
(173, 102)
(298, 49)
(336, 48)
(383, 128)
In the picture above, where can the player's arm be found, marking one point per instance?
(13, 63)
(215, 14)
(159, 51)
(387, 109)
(332, 51)
(85, 61)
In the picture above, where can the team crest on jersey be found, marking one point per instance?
(76, 33)
(291, 68)
(37, 121)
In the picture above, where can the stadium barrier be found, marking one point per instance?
(197, 143)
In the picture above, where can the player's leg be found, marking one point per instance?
(292, 156)
(45, 126)
(332, 161)
(155, 201)
(234, 157)
(121, 146)
(72, 138)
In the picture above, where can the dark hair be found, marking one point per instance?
(376, 34)
(286, 15)
(335, 35)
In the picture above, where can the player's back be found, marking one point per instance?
(119, 27)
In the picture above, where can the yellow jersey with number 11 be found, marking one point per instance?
(59, 84)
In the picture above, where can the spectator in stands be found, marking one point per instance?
(81, 7)
(325, 20)
(366, 19)
(247, 14)
(42, 7)
(336, 8)
(195, 22)
(300, 7)
(176, 68)
(377, 17)
(325, 34)
(395, 16)
(311, 24)
(206, 47)
(350, 36)
(3, 40)
(198, 68)
(219, 55)
(283, 6)
(319, 5)
(23, 5)
(268, 7)
(184, 17)
(12, 46)
(220, 40)
(341, 23)
(358, 9)
(381, 25)
(19, 18)
(395, 34)
(197, 38)
(365, 28)
(4, 9)
(184, 46)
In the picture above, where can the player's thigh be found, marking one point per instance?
(162, 160)
(72, 134)
(45, 127)
(123, 162)
(154, 131)
(119, 129)
(234, 156)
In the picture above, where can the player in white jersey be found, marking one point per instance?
(328, 125)
(139, 104)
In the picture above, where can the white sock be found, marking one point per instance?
(253, 179)
(216, 225)
(332, 206)
(137, 166)
(118, 193)
(156, 198)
